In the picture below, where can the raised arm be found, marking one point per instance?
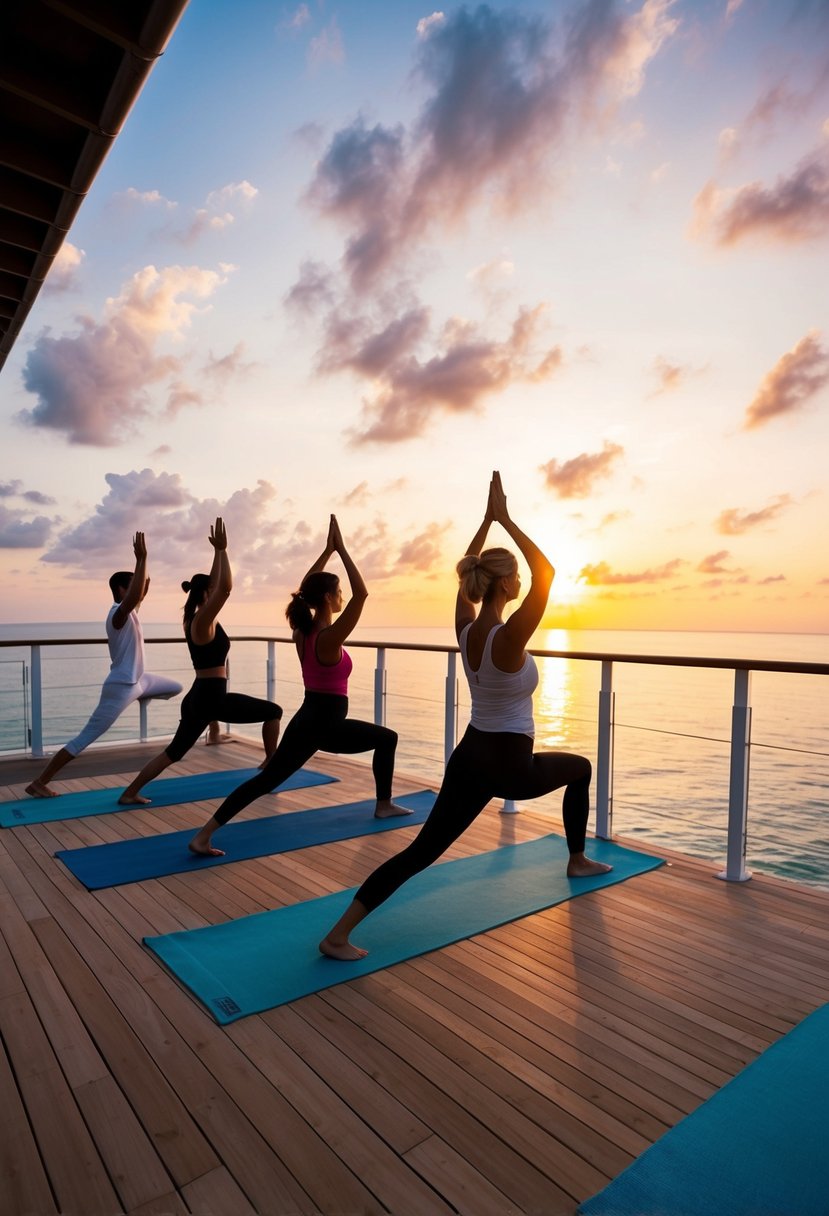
(527, 617)
(324, 557)
(221, 585)
(139, 583)
(464, 611)
(332, 638)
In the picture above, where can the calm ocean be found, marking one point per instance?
(673, 724)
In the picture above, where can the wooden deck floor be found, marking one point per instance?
(515, 1072)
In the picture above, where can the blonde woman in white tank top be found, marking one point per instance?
(495, 757)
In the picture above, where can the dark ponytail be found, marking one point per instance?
(311, 594)
(195, 589)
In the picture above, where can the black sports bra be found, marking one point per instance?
(212, 653)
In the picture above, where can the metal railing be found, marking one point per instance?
(739, 744)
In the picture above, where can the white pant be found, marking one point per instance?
(115, 697)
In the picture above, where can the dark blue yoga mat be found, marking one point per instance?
(166, 791)
(110, 865)
(264, 960)
(758, 1147)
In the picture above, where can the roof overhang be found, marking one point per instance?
(70, 71)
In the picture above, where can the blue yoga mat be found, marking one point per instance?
(166, 791)
(758, 1147)
(110, 865)
(264, 960)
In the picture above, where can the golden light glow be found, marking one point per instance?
(569, 553)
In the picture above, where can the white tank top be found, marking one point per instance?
(126, 649)
(501, 700)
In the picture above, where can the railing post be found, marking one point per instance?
(604, 758)
(143, 734)
(450, 709)
(735, 865)
(37, 701)
(270, 673)
(380, 687)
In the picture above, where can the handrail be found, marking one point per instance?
(593, 656)
(740, 742)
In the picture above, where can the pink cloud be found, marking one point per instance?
(795, 379)
(503, 91)
(93, 386)
(19, 530)
(576, 478)
(795, 209)
(468, 368)
(424, 552)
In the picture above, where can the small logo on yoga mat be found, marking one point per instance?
(17, 814)
(226, 1005)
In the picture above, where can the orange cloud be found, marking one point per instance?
(713, 564)
(796, 377)
(733, 522)
(601, 575)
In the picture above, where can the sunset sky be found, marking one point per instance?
(351, 256)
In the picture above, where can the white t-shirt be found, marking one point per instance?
(126, 649)
(501, 700)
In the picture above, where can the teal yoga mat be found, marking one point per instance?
(264, 960)
(110, 865)
(166, 791)
(758, 1147)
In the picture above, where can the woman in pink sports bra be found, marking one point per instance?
(321, 723)
(495, 757)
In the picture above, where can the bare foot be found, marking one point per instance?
(133, 800)
(386, 810)
(583, 867)
(208, 851)
(38, 790)
(212, 740)
(344, 953)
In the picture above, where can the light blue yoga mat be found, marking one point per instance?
(264, 960)
(110, 865)
(166, 791)
(758, 1147)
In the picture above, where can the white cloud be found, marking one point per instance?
(65, 267)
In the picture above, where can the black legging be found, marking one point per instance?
(485, 766)
(319, 725)
(209, 701)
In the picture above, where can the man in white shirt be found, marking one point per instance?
(127, 680)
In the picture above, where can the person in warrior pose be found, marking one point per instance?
(495, 757)
(208, 699)
(127, 680)
(321, 723)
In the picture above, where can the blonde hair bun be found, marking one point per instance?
(477, 575)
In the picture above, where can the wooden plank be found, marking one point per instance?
(74, 1166)
(217, 1194)
(628, 1098)
(461, 1184)
(130, 1156)
(370, 1159)
(24, 1186)
(515, 1068)
(398, 1058)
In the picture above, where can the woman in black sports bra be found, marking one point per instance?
(208, 700)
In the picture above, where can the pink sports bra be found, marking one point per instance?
(324, 677)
